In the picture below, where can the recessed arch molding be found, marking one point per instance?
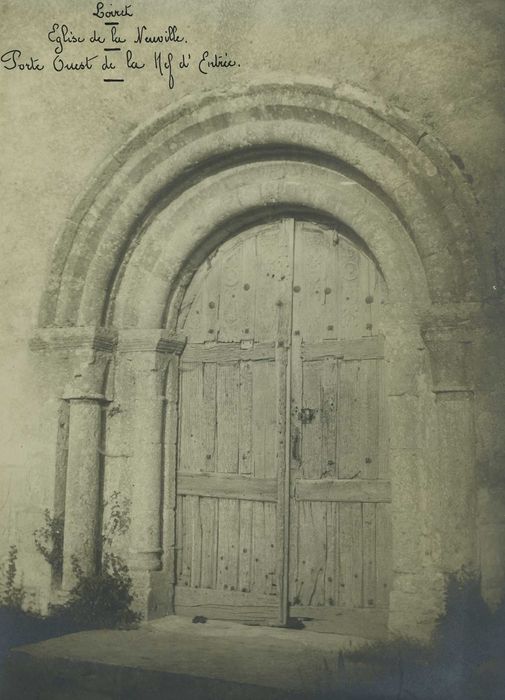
(337, 131)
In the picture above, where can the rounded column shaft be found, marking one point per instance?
(82, 502)
(147, 475)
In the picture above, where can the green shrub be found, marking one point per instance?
(118, 520)
(103, 599)
(49, 542)
(12, 596)
(99, 600)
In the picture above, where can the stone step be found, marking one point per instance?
(173, 658)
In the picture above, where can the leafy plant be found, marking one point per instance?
(12, 596)
(118, 521)
(103, 599)
(49, 542)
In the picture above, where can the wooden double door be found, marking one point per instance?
(283, 498)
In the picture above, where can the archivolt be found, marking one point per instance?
(200, 165)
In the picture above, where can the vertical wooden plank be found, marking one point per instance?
(271, 554)
(294, 558)
(368, 294)
(312, 561)
(358, 419)
(199, 418)
(245, 546)
(383, 553)
(283, 456)
(314, 283)
(354, 312)
(191, 405)
(208, 518)
(311, 431)
(331, 570)
(369, 564)
(206, 327)
(307, 281)
(237, 291)
(348, 447)
(227, 417)
(377, 296)
(264, 419)
(295, 462)
(369, 409)
(264, 554)
(196, 540)
(190, 314)
(259, 537)
(357, 555)
(282, 443)
(208, 425)
(330, 288)
(187, 541)
(345, 561)
(232, 296)
(370, 298)
(228, 545)
(273, 277)
(247, 310)
(329, 418)
(245, 423)
(383, 424)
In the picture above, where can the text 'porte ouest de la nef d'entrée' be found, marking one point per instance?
(116, 44)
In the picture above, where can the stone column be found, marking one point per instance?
(86, 353)
(82, 498)
(450, 351)
(417, 590)
(150, 353)
(86, 397)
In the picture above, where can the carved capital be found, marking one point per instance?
(450, 351)
(147, 340)
(88, 352)
(79, 339)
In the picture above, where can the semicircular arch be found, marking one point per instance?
(338, 131)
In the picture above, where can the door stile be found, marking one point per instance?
(295, 461)
(283, 443)
(296, 434)
(281, 361)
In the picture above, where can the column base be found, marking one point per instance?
(153, 594)
(416, 602)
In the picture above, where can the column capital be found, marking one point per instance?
(450, 349)
(76, 338)
(150, 340)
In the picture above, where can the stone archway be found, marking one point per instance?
(162, 204)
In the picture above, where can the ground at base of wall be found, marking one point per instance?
(174, 658)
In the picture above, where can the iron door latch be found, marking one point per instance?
(306, 415)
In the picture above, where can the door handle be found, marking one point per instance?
(295, 451)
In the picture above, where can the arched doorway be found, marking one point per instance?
(283, 497)
(124, 277)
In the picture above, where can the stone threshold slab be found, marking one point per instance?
(173, 657)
